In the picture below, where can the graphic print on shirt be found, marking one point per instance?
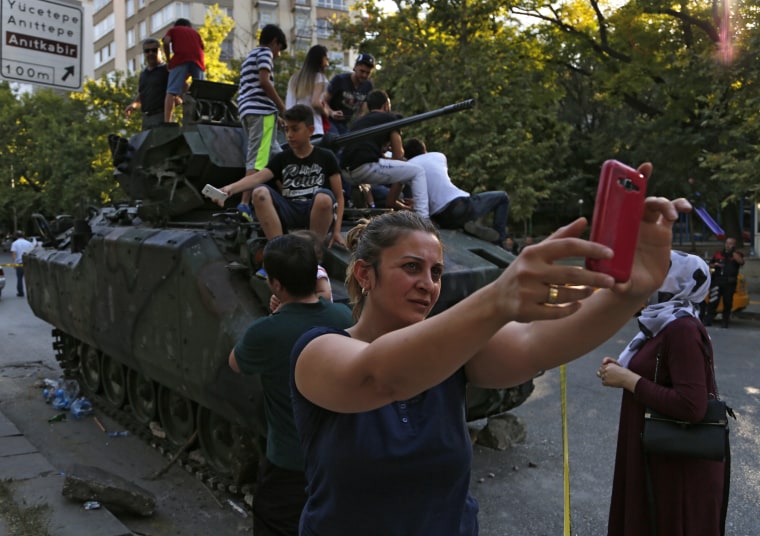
(301, 181)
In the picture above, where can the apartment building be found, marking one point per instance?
(119, 26)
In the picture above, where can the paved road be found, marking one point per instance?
(520, 490)
(519, 500)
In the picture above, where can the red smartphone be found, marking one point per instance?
(617, 216)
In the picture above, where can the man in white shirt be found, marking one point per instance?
(20, 247)
(451, 207)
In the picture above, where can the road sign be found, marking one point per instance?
(41, 43)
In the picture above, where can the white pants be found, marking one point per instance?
(391, 172)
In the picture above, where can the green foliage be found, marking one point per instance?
(216, 27)
(559, 88)
(512, 139)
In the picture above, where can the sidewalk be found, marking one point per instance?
(36, 504)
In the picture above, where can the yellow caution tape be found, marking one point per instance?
(11, 265)
(565, 448)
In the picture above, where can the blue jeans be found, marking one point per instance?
(20, 280)
(496, 202)
(464, 209)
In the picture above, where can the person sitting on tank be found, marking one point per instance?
(363, 160)
(264, 349)
(309, 194)
(450, 206)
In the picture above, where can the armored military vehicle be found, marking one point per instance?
(148, 297)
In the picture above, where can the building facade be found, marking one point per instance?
(119, 26)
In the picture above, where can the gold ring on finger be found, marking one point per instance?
(553, 295)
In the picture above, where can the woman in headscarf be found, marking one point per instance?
(688, 492)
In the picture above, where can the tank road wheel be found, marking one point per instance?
(114, 382)
(143, 397)
(216, 437)
(89, 370)
(177, 416)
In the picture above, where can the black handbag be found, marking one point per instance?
(706, 439)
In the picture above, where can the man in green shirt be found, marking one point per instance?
(291, 266)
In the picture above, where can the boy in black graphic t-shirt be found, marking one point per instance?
(308, 193)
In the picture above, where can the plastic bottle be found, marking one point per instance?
(48, 393)
(81, 407)
(60, 400)
(66, 393)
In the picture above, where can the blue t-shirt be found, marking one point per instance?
(403, 469)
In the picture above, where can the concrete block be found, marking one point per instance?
(88, 483)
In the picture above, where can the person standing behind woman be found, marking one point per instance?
(184, 48)
(307, 85)
(688, 492)
(380, 407)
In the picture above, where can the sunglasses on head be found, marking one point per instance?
(149, 50)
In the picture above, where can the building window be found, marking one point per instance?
(168, 15)
(130, 4)
(104, 55)
(339, 5)
(140, 4)
(103, 27)
(143, 30)
(100, 4)
(130, 37)
(324, 28)
(266, 16)
(132, 66)
(336, 58)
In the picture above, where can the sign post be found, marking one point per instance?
(41, 43)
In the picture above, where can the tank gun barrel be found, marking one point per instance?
(331, 142)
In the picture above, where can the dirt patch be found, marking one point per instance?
(19, 521)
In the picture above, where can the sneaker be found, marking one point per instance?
(246, 211)
(261, 273)
(481, 231)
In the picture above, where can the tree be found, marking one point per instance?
(661, 82)
(432, 54)
(216, 27)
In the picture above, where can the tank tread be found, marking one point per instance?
(215, 483)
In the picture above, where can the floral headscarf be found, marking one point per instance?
(684, 288)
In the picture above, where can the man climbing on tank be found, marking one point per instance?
(291, 264)
(451, 207)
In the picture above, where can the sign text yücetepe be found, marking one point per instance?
(47, 20)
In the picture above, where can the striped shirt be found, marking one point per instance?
(252, 100)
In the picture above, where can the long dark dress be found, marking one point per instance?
(689, 492)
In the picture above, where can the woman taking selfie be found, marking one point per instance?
(380, 407)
